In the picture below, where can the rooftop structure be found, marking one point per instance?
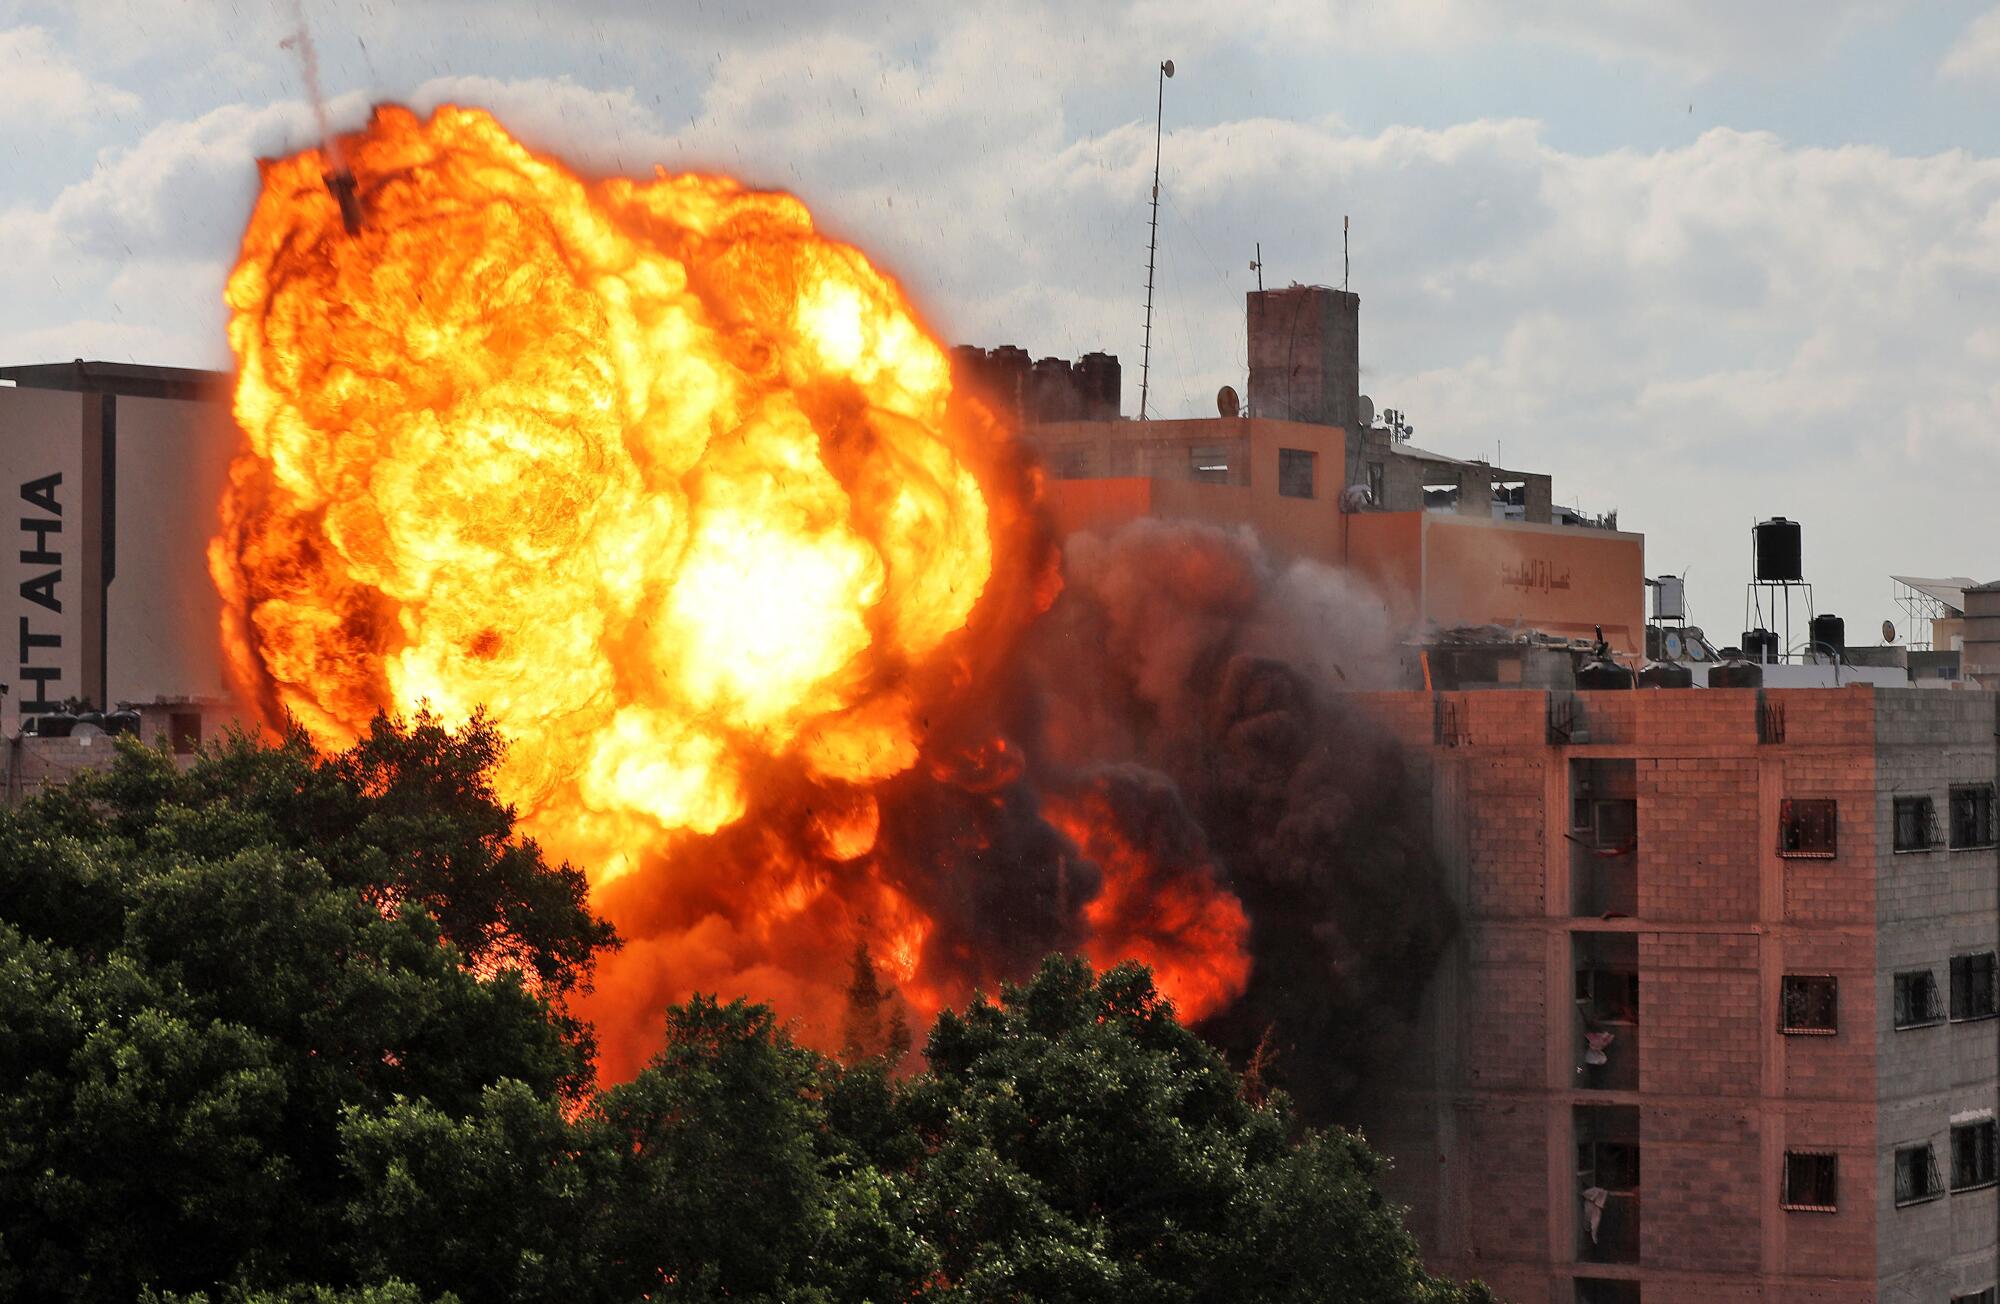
(1444, 541)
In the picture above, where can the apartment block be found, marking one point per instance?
(1719, 1022)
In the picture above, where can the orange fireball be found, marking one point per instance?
(675, 489)
(650, 470)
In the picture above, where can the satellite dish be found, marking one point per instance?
(1696, 652)
(1167, 67)
(1888, 631)
(1674, 645)
(1226, 402)
(1364, 410)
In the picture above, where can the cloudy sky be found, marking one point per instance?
(1706, 261)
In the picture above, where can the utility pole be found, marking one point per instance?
(1153, 242)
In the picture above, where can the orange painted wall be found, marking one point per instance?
(1098, 504)
(1558, 580)
(1426, 566)
(1386, 550)
(1290, 527)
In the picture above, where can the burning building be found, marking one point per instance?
(1682, 993)
(1717, 1019)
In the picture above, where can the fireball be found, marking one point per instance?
(668, 483)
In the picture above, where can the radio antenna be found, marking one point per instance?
(1153, 242)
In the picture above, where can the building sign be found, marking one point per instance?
(1560, 580)
(1534, 575)
(41, 474)
(41, 631)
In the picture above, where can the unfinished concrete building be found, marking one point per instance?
(1720, 1023)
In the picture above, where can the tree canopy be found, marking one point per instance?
(289, 1028)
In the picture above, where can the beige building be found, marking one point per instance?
(114, 472)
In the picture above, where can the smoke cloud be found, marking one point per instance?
(1184, 650)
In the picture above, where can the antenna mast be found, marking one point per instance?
(1153, 242)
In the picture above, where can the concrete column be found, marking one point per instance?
(1475, 491)
(1539, 499)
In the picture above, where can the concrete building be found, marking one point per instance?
(1445, 542)
(1719, 1025)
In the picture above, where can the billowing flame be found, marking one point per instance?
(1160, 903)
(671, 485)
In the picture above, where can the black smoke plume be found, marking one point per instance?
(1203, 686)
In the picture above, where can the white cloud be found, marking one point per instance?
(41, 85)
(1732, 327)
(1696, 38)
(1976, 52)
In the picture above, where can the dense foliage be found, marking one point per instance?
(291, 1029)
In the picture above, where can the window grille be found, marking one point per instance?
(1563, 719)
(1916, 824)
(1917, 999)
(1917, 1175)
(1812, 1181)
(1972, 988)
(1972, 822)
(1809, 1005)
(1808, 827)
(1973, 1156)
(1447, 729)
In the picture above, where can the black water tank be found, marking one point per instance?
(49, 724)
(1602, 674)
(1736, 674)
(95, 719)
(122, 721)
(1666, 674)
(1829, 631)
(1761, 646)
(1777, 550)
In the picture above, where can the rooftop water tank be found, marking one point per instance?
(1761, 646)
(1736, 673)
(1666, 674)
(1669, 598)
(1599, 674)
(1777, 551)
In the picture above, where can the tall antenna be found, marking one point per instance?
(1343, 253)
(1257, 266)
(1153, 243)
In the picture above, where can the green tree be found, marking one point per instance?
(202, 972)
(1080, 1143)
(283, 1028)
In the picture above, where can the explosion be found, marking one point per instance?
(678, 491)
